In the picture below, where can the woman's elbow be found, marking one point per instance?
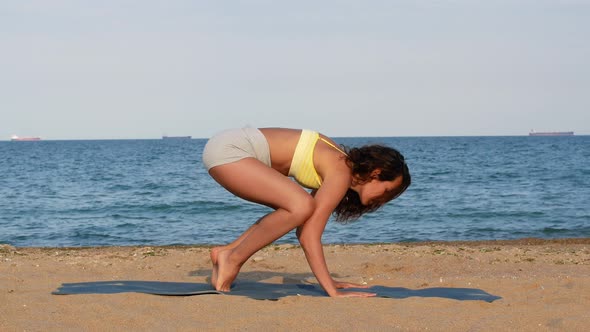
(306, 238)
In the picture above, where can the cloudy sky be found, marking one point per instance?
(142, 69)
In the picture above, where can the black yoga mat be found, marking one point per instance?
(262, 291)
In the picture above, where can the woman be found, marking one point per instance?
(255, 164)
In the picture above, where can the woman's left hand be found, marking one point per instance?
(344, 285)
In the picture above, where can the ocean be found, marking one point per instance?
(157, 192)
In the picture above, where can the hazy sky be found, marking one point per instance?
(142, 69)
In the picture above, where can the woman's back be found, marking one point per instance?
(283, 142)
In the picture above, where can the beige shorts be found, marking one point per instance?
(236, 144)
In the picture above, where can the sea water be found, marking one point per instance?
(157, 192)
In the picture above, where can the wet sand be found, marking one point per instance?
(544, 285)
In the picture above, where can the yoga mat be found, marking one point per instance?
(262, 291)
(136, 286)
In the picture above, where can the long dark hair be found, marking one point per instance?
(363, 161)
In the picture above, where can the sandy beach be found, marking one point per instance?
(544, 285)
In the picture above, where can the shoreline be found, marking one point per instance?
(542, 285)
(512, 242)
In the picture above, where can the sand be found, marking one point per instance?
(544, 286)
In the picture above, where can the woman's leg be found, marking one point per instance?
(215, 251)
(252, 180)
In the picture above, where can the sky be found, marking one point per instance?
(120, 69)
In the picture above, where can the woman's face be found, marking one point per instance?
(377, 191)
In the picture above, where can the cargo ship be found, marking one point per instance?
(15, 138)
(551, 133)
(177, 137)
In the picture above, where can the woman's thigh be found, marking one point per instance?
(252, 180)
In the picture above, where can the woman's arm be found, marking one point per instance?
(310, 233)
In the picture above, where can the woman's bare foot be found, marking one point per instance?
(226, 271)
(215, 267)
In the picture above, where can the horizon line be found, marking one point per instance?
(372, 136)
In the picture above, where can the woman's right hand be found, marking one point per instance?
(353, 294)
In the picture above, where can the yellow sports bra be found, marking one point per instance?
(302, 168)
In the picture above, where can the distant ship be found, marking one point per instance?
(551, 133)
(15, 138)
(177, 137)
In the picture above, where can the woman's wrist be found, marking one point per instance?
(332, 288)
(333, 292)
